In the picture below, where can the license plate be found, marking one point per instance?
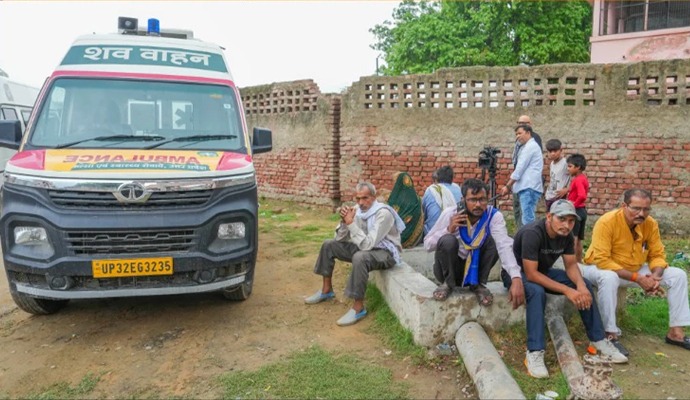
(132, 267)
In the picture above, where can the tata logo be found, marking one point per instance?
(132, 192)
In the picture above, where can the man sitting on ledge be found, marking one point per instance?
(467, 244)
(368, 236)
(626, 251)
(537, 246)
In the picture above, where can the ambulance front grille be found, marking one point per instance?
(106, 200)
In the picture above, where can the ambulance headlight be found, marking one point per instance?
(232, 230)
(30, 235)
(32, 242)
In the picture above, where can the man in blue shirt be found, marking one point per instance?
(522, 120)
(526, 179)
(440, 195)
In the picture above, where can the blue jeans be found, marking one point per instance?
(528, 204)
(535, 296)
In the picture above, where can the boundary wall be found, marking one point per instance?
(629, 120)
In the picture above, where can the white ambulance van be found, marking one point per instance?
(134, 176)
(16, 102)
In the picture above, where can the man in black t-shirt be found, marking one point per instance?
(537, 246)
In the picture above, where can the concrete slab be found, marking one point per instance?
(408, 289)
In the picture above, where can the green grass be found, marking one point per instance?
(512, 341)
(315, 373)
(645, 316)
(285, 224)
(63, 390)
(649, 315)
(311, 374)
(531, 387)
(388, 328)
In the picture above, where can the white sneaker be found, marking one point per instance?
(606, 348)
(534, 361)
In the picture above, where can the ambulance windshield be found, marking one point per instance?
(77, 110)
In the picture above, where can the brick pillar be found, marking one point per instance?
(333, 150)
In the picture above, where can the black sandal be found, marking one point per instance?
(685, 343)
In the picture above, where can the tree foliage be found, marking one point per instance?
(425, 35)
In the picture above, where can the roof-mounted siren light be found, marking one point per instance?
(154, 27)
(127, 25)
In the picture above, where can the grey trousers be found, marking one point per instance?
(362, 261)
(449, 268)
(517, 211)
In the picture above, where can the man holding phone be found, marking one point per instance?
(467, 242)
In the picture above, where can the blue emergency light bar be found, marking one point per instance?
(154, 27)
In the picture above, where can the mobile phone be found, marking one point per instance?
(461, 207)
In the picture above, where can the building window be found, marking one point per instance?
(646, 15)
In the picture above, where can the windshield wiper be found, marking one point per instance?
(112, 137)
(194, 138)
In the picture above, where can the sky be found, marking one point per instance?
(264, 41)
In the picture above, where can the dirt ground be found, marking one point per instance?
(176, 346)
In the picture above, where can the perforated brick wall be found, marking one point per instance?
(629, 120)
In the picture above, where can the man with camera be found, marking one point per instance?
(467, 242)
(526, 179)
(522, 120)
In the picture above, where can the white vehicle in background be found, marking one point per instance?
(16, 102)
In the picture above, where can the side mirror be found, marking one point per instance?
(262, 140)
(10, 134)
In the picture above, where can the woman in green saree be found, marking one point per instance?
(407, 203)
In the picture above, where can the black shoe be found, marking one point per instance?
(617, 344)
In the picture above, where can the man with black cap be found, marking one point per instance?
(537, 246)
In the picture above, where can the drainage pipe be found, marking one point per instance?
(565, 349)
(485, 366)
(593, 381)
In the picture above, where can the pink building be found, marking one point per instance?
(628, 31)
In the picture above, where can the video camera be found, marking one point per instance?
(488, 157)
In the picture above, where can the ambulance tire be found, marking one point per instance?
(34, 305)
(239, 293)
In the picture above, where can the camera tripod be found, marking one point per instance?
(491, 182)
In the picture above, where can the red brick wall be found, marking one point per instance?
(629, 121)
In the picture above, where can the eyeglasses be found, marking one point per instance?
(523, 123)
(482, 200)
(637, 210)
(362, 198)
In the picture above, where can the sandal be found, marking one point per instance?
(484, 296)
(441, 293)
(685, 343)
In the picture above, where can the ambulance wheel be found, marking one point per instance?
(239, 293)
(34, 305)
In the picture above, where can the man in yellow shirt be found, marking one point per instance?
(626, 250)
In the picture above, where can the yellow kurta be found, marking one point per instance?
(613, 247)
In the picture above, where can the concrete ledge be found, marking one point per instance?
(409, 294)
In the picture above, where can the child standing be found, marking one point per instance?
(558, 173)
(579, 190)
